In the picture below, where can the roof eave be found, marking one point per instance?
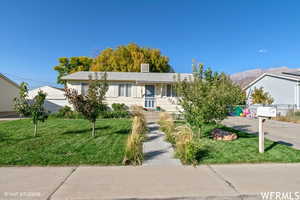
(268, 74)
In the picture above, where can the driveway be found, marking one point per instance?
(282, 132)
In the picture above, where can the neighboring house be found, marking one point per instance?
(147, 89)
(8, 91)
(55, 98)
(283, 87)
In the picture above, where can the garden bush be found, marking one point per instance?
(195, 151)
(119, 107)
(118, 111)
(66, 113)
(115, 114)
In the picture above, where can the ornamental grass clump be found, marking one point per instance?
(167, 126)
(184, 136)
(134, 147)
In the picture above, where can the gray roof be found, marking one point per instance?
(9, 80)
(287, 75)
(277, 75)
(130, 76)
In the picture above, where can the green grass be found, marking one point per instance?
(243, 150)
(63, 142)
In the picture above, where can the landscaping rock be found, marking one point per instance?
(219, 134)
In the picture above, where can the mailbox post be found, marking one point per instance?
(263, 114)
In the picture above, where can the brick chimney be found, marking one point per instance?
(145, 67)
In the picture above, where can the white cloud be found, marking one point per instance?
(262, 51)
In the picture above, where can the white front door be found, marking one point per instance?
(149, 96)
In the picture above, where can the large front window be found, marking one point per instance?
(84, 88)
(124, 90)
(171, 92)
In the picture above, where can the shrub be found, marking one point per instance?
(71, 115)
(65, 111)
(195, 151)
(115, 114)
(134, 147)
(297, 113)
(119, 107)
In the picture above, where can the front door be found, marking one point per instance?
(149, 96)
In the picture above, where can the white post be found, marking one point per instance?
(261, 135)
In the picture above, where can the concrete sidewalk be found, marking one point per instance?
(244, 181)
(156, 150)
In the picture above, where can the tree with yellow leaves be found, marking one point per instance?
(71, 65)
(128, 58)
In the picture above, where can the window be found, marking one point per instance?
(84, 88)
(125, 90)
(170, 91)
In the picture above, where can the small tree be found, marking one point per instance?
(207, 96)
(259, 96)
(31, 108)
(21, 103)
(91, 104)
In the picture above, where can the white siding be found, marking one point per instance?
(75, 85)
(282, 90)
(112, 90)
(8, 92)
(137, 97)
(52, 93)
(55, 98)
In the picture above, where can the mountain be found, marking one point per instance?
(244, 78)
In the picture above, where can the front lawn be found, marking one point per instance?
(63, 142)
(242, 150)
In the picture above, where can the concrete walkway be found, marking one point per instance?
(218, 182)
(156, 150)
(283, 132)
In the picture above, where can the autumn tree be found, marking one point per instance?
(259, 96)
(71, 65)
(33, 108)
(90, 105)
(128, 58)
(207, 96)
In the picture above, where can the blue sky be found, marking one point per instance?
(227, 35)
